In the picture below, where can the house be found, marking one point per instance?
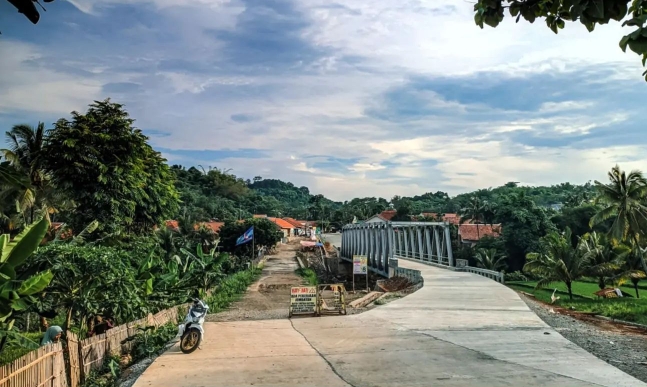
(450, 218)
(470, 233)
(384, 216)
(299, 228)
(259, 216)
(284, 226)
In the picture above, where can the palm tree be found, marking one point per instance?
(490, 259)
(25, 154)
(560, 262)
(631, 268)
(622, 199)
(606, 258)
(474, 212)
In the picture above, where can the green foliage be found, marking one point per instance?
(558, 261)
(490, 259)
(266, 234)
(515, 276)
(231, 288)
(91, 280)
(557, 12)
(308, 275)
(13, 350)
(107, 167)
(17, 291)
(150, 341)
(106, 376)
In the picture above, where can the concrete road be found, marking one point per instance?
(460, 329)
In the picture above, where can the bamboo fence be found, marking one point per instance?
(46, 366)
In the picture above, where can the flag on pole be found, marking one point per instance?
(248, 236)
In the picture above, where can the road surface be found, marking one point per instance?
(460, 329)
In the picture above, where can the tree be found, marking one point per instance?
(107, 167)
(17, 290)
(266, 234)
(25, 153)
(558, 261)
(557, 12)
(474, 212)
(523, 223)
(605, 257)
(622, 200)
(490, 259)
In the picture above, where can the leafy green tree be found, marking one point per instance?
(631, 269)
(266, 234)
(107, 167)
(558, 261)
(523, 223)
(622, 200)
(89, 280)
(204, 270)
(18, 291)
(490, 259)
(557, 12)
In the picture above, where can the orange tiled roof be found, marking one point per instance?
(172, 224)
(294, 222)
(281, 223)
(258, 216)
(469, 232)
(449, 217)
(388, 214)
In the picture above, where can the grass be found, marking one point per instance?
(13, 351)
(231, 289)
(581, 288)
(309, 275)
(626, 308)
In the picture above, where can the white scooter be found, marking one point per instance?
(191, 331)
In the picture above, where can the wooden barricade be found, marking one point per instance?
(44, 367)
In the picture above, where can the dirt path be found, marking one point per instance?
(269, 297)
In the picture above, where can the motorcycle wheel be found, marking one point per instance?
(190, 340)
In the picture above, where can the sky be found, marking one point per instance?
(351, 98)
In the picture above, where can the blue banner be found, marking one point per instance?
(246, 237)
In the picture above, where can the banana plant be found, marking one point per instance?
(17, 294)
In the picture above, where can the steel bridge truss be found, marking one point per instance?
(420, 241)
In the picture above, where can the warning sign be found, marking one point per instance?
(303, 300)
(359, 264)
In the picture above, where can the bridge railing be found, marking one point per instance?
(491, 274)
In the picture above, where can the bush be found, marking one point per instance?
(13, 351)
(309, 275)
(230, 289)
(516, 276)
(150, 341)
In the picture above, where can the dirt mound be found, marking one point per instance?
(394, 284)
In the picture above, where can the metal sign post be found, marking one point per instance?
(360, 267)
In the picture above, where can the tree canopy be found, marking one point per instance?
(107, 168)
(587, 12)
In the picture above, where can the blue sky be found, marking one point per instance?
(349, 97)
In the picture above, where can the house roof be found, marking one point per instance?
(469, 232)
(308, 222)
(294, 222)
(387, 215)
(281, 223)
(449, 217)
(258, 216)
(172, 224)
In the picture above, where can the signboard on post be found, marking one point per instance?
(303, 300)
(360, 267)
(360, 264)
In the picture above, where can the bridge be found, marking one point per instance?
(385, 242)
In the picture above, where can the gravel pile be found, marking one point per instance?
(623, 348)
